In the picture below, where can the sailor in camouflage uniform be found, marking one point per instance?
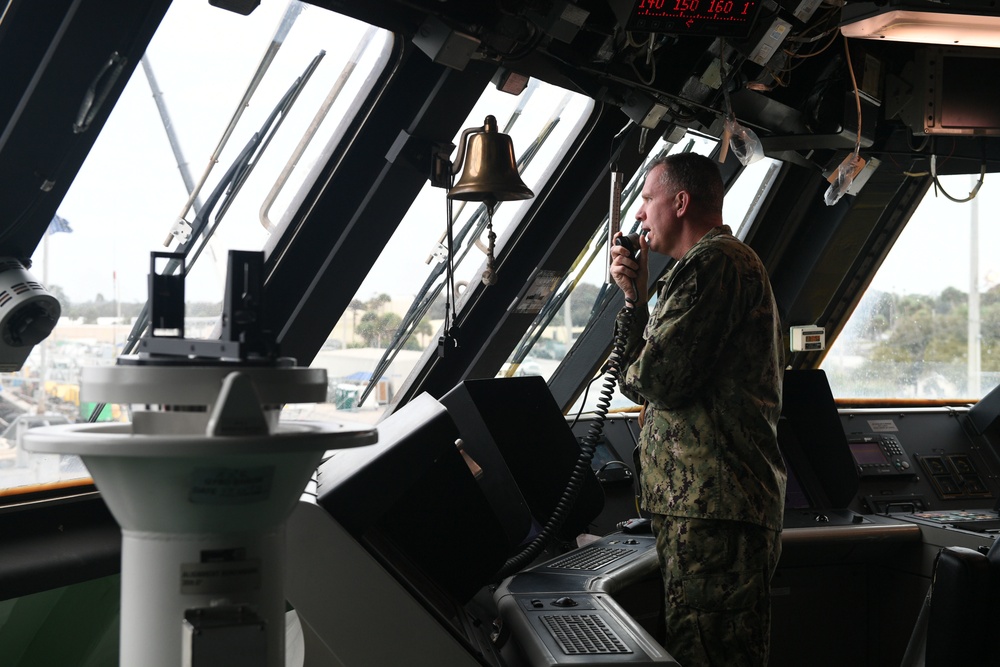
(707, 364)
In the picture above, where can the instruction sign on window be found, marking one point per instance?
(539, 291)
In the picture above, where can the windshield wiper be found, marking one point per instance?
(227, 189)
(562, 292)
(553, 305)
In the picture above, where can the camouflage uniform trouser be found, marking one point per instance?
(716, 576)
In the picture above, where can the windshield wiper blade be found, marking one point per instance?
(270, 128)
(291, 14)
(551, 308)
(227, 188)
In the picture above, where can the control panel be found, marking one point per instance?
(879, 454)
(954, 476)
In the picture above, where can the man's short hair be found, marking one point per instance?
(697, 174)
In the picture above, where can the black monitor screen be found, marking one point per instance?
(795, 496)
(812, 439)
(413, 502)
(514, 428)
(962, 90)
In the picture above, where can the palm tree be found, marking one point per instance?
(376, 303)
(354, 307)
(423, 330)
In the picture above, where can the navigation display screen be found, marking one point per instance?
(867, 452)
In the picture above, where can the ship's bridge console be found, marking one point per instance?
(873, 495)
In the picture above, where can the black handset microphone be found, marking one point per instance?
(630, 242)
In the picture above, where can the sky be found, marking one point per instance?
(933, 251)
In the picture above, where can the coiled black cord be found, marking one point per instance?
(587, 448)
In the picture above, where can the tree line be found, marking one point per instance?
(911, 328)
(373, 323)
(99, 306)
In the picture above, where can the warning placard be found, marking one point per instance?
(230, 486)
(220, 577)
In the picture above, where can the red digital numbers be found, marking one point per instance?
(711, 11)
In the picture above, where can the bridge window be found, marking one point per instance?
(209, 81)
(928, 326)
(396, 315)
(581, 291)
(573, 301)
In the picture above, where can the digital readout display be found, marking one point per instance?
(867, 453)
(729, 18)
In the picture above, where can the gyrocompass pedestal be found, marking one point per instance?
(201, 483)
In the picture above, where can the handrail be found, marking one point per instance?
(904, 402)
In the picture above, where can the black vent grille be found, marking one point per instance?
(593, 558)
(584, 634)
(7, 295)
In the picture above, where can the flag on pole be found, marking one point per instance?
(59, 224)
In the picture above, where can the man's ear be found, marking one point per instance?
(681, 201)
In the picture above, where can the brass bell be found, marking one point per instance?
(490, 173)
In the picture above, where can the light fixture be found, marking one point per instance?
(28, 314)
(958, 23)
(490, 176)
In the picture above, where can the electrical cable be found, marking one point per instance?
(583, 401)
(975, 188)
(587, 448)
(5, 10)
(857, 94)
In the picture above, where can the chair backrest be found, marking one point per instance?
(960, 613)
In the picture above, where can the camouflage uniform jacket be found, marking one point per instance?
(708, 361)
